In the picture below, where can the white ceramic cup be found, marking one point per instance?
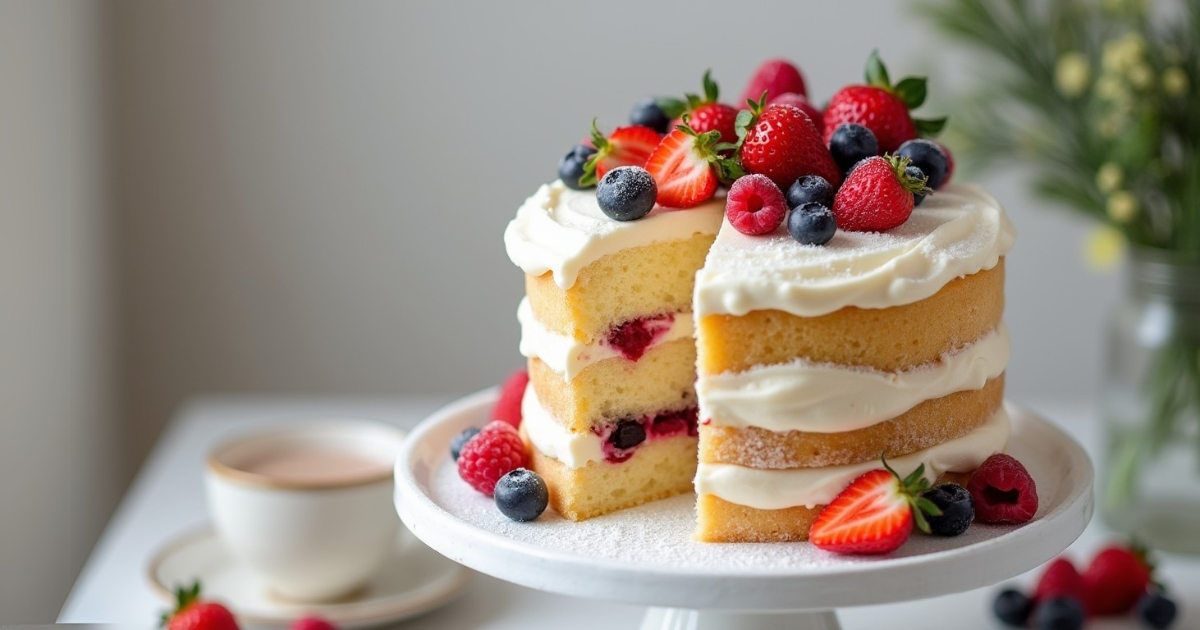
(311, 541)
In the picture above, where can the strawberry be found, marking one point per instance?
(775, 77)
(881, 107)
(1060, 578)
(193, 613)
(875, 513)
(781, 142)
(797, 100)
(625, 146)
(707, 113)
(686, 166)
(1116, 579)
(312, 622)
(512, 392)
(877, 195)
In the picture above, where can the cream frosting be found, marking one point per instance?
(959, 230)
(552, 439)
(827, 398)
(568, 356)
(561, 230)
(777, 489)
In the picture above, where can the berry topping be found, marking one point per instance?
(782, 143)
(460, 440)
(521, 495)
(928, 156)
(687, 167)
(1012, 608)
(755, 205)
(915, 173)
(633, 337)
(877, 195)
(672, 423)
(626, 193)
(706, 113)
(193, 613)
(810, 189)
(508, 405)
(875, 513)
(1156, 611)
(957, 509)
(625, 146)
(851, 143)
(648, 113)
(1003, 491)
(1059, 613)
(881, 107)
(1116, 579)
(495, 452)
(627, 434)
(1060, 578)
(775, 77)
(797, 100)
(312, 622)
(570, 168)
(811, 224)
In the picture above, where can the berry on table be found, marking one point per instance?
(193, 613)
(459, 441)
(810, 189)
(802, 102)
(957, 509)
(648, 113)
(1156, 611)
(775, 77)
(512, 392)
(1003, 491)
(928, 156)
(915, 173)
(782, 143)
(625, 146)
(755, 205)
(1060, 578)
(626, 193)
(495, 452)
(881, 107)
(1012, 607)
(1059, 613)
(877, 195)
(811, 224)
(1116, 579)
(687, 167)
(312, 622)
(851, 143)
(521, 495)
(874, 514)
(570, 167)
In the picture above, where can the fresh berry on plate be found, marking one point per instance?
(193, 613)
(626, 193)
(928, 156)
(782, 143)
(625, 146)
(1116, 579)
(1060, 578)
(521, 495)
(775, 77)
(1156, 611)
(881, 107)
(850, 144)
(570, 167)
(811, 224)
(876, 196)
(801, 101)
(1003, 491)
(755, 205)
(874, 514)
(508, 405)
(1059, 613)
(648, 113)
(916, 174)
(810, 189)
(1012, 608)
(495, 452)
(312, 622)
(459, 441)
(706, 113)
(957, 509)
(687, 167)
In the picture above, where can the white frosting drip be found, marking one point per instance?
(574, 450)
(568, 356)
(563, 230)
(827, 398)
(957, 231)
(777, 489)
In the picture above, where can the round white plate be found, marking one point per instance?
(415, 580)
(646, 555)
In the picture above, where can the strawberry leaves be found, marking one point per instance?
(911, 91)
(911, 488)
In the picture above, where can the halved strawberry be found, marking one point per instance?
(625, 146)
(687, 167)
(875, 513)
(882, 107)
(707, 112)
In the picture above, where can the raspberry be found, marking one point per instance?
(1003, 491)
(487, 457)
(508, 406)
(755, 205)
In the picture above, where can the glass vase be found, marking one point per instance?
(1150, 478)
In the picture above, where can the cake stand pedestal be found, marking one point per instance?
(645, 555)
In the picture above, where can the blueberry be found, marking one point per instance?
(851, 143)
(927, 156)
(1059, 613)
(957, 509)
(626, 193)
(916, 173)
(1012, 607)
(460, 440)
(1156, 611)
(521, 495)
(810, 189)
(811, 224)
(570, 168)
(647, 113)
(628, 434)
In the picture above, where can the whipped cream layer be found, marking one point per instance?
(830, 398)
(561, 230)
(958, 230)
(552, 439)
(568, 356)
(778, 489)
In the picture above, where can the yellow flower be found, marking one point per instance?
(1122, 206)
(1103, 248)
(1072, 74)
(1119, 55)
(1111, 88)
(1175, 81)
(1141, 75)
(1109, 177)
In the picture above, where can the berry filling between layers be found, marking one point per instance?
(621, 440)
(632, 338)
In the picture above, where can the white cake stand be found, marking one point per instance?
(645, 555)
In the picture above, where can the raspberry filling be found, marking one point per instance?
(633, 337)
(622, 439)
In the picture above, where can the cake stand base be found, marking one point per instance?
(687, 619)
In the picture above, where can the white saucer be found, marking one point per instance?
(416, 580)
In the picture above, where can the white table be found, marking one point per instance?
(167, 498)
